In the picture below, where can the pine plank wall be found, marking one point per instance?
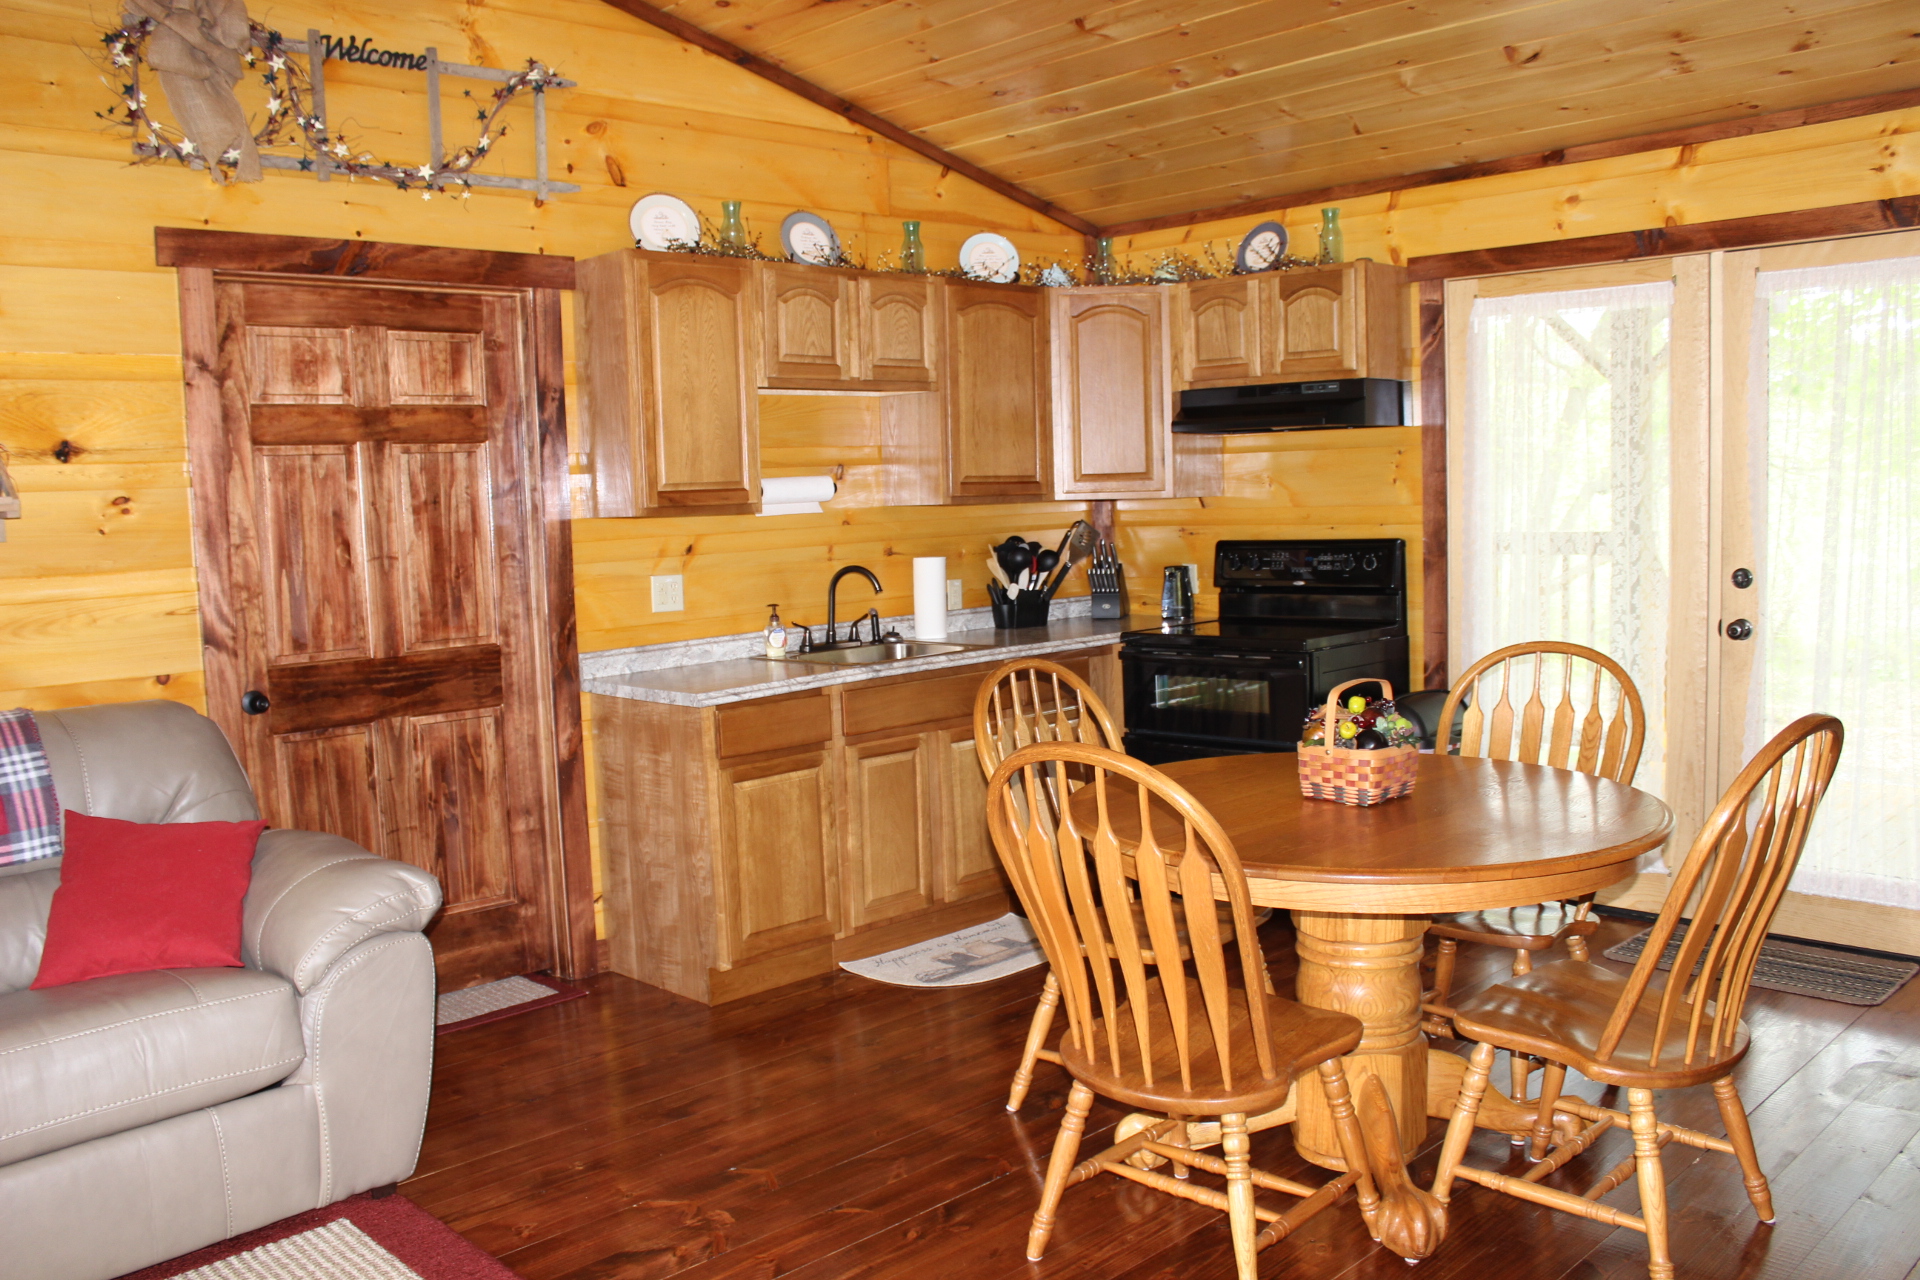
(97, 593)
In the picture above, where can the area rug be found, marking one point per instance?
(358, 1239)
(963, 958)
(1801, 969)
(492, 1001)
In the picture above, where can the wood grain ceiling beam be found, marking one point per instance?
(681, 29)
(1667, 139)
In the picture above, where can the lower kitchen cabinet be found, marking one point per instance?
(754, 844)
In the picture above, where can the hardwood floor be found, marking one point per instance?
(841, 1128)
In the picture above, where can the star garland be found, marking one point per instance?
(289, 122)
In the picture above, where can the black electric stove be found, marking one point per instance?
(1296, 618)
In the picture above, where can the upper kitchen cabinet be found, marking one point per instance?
(1341, 321)
(998, 430)
(667, 347)
(899, 331)
(810, 340)
(1337, 322)
(1112, 398)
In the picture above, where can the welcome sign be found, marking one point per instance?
(354, 49)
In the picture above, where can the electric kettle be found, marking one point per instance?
(1176, 595)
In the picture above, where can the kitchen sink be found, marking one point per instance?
(889, 651)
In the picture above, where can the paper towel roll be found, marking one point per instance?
(794, 495)
(930, 597)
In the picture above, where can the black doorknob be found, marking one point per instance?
(1743, 578)
(1739, 629)
(254, 702)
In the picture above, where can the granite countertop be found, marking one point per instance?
(711, 672)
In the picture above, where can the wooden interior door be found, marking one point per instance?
(383, 610)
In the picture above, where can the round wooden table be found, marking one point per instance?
(1361, 884)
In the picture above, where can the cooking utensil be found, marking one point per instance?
(1018, 560)
(1004, 551)
(1046, 561)
(1080, 543)
(993, 565)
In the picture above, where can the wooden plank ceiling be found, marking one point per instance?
(1144, 109)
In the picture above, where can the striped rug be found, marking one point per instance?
(1801, 969)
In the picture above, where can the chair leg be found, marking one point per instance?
(1653, 1181)
(1066, 1150)
(1522, 963)
(1551, 1081)
(1036, 1040)
(1522, 1067)
(1443, 958)
(1178, 1138)
(1577, 947)
(1733, 1114)
(1473, 1087)
(1240, 1219)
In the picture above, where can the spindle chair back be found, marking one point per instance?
(1597, 724)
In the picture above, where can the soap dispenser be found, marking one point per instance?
(776, 633)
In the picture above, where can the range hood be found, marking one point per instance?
(1292, 406)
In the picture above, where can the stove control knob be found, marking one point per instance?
(1370, 562)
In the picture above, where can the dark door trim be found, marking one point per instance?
(219, 554)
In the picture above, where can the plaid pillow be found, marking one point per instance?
(29, 811)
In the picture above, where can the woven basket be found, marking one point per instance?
(1352, 776)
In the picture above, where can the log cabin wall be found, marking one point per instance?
(1367, 484)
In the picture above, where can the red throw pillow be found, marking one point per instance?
(135, 896)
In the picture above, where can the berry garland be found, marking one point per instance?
(289, 122)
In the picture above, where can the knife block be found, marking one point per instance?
(1109, 593)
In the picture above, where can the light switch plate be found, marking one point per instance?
(954, 596)
(1194, 579)
(669, 596)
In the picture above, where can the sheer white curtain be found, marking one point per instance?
(1563, 500)
(1836, 389)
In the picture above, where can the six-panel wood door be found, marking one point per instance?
(810, 334)
(385, 605)
(998, 433)
(892, 808)
(1220, 330)
(777, 840)
(900, 331)
(1112, 407)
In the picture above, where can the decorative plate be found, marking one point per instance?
(990, 257)
(660, 221)
(808, 237)
(1262, 248)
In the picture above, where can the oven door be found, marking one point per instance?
(1181, 704)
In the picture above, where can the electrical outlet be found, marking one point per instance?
(669, 596)
(954, 596)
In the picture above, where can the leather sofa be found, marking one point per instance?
(146, 1115)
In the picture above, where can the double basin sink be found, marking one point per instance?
(886, 651)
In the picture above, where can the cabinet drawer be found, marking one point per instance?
(929, 701)
(775, 724)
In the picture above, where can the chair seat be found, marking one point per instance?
(105, 1055)
(1531, 928)
(1559, 1012)
(1302, 1037)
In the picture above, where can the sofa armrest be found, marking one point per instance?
(314, 897)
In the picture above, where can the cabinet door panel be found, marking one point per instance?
(705, 444)
(997, 421)
(809, 335)
(777, 845)
(900, 331)
(969, 867)
(1221, 330)
(1112, 407)
(1316, 330)
(890, 816)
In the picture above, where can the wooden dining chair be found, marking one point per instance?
(1506, 717)
(1213, 1043)
(1020, 703)
(1642, 1034)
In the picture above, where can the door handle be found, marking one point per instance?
(254, 702)
(1739, 629)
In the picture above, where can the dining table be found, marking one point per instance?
(1363, 882)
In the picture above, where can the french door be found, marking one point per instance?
(1709, 468)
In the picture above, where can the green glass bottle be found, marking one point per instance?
(913, 255)
(733, 232)
(1104, 270)
(1331, 250)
